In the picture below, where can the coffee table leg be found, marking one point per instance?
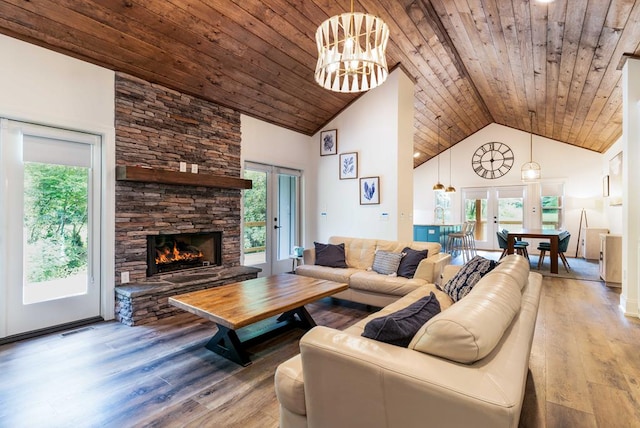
(306, 322)
(226, 343)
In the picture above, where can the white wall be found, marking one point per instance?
(44, 87)
(581, 171)
(371, 126)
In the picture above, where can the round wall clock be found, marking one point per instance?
(492, 160)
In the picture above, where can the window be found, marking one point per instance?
(442, 212)
(551, 203)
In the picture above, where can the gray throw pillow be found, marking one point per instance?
(330, 255)
(468, 276)
(386, 263)
(398, 328)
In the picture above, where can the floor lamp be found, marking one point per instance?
(583, 215)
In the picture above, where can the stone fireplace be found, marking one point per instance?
(157, 129)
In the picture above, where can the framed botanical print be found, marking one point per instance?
(369, 190)
(329, 142)
(348, 165)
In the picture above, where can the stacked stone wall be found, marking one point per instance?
(157, 127)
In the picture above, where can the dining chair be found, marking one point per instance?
(520, 247)
(563, 244)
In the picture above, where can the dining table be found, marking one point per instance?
(551, 234)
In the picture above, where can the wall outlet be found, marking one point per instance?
(183, 167)
(194, 168)
(124, 277)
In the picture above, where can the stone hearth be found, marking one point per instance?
(147, 302)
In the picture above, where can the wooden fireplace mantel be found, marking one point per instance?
(153, 175)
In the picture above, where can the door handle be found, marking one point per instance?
(277, 227)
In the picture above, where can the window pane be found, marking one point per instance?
(510, 213)
(55, 231)
(255, 218)
(287, 203)
(551, 212)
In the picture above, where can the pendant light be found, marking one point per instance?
(530, 171)
(351, 52)
(438, 187)
(450, 188)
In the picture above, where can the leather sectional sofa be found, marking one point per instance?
(367, 286)
(466, 366)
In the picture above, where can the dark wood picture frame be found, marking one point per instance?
(329, 142)
(370, 190)
(348, 166)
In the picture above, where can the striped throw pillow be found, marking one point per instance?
(386, 263)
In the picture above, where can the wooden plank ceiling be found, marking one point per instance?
(474, 61)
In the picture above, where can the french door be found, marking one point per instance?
(50, 219)
(493, 209)
(271, 217)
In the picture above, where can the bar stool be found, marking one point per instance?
(457, 242)
(471, 239)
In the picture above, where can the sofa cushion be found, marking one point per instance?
(470, 329)
(515, 266)
(373, 282)
(398, 328)
(359, 252)
(328, 273)
(467, 277)
(289, 384)
(410, 261)
(330, 255)
(386, 263)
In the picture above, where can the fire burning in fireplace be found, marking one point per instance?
(167, 253)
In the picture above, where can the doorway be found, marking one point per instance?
(271, 217)
(50, 259)
(493, 209)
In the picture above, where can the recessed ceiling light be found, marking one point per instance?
(416, 155)
(545, 1)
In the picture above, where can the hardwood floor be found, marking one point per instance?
(584, 370)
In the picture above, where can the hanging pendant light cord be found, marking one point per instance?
(530, 136)
(438, 147)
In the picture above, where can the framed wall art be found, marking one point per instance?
(369, 190)
(348, 166)
(329, 142)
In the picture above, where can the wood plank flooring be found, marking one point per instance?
(584, 370)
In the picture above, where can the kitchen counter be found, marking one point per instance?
(434, 233)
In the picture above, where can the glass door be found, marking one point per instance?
(493, 209)
(271, 217)
(51, 251)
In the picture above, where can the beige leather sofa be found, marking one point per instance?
(369, 287)
(466, 367)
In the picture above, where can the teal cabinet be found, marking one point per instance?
(434, 233)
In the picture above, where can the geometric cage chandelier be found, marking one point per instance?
(351, 52)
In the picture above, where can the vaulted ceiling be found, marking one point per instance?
(474, 61)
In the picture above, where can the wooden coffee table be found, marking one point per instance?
(240, 304)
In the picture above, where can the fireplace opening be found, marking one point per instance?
(168, 253)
